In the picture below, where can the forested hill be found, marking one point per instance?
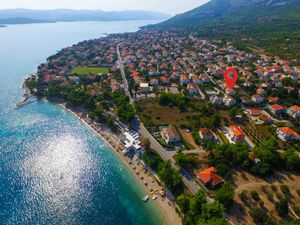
(270, 24)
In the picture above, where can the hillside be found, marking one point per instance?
(270, 24)
(22, 16)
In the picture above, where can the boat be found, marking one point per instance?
(154, 197)
(146, 198)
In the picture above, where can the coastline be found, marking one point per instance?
(145, 179)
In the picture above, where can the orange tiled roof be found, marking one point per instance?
(209, 175)
(236, 130)
(288, 131)
(296, 107)
(277, 107)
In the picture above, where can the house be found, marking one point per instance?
(184, 79)
(94, 92)
(214, 99)
(74, 79)
(277, 109)
(144, 88)
(165, 80)
(245, 100)
(273, 100)
(170, 135)
(257, 98)
(235, 134)
(154, 82)
(209, 177)
(254, 112)
(206, 134)
(294, 111)
(196, 80)
(286, 133)
(205, 79)
(228, 100)
(192, 89)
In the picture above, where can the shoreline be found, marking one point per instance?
(145, 179)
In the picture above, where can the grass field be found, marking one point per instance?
(89, 70)
(156, 115)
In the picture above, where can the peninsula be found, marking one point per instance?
(213, 155)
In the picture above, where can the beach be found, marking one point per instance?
(147, 180)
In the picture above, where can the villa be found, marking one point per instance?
(170, 135)
(286, 133)
(235, 134)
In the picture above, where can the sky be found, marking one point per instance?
(168, 6)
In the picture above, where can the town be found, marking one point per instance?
(169, 87)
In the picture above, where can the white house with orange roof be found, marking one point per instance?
(170, 135)
(294, 111)
(235, 134)
(277, 109)
(286, 133)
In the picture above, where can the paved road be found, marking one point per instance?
(191, 183)
(121, 65)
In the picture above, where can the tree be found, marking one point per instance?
(258, 215)
(170, 177)
(267, 153)
(213, 221)
(213, 211)
(183, 202)
(147, 145)
(182, 159)
(197, 203)
(292, 160)
(225, 195)
(282, 207)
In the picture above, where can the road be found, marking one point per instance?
(126, 86)
(190, 182)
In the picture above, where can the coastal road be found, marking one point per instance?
(121, 65)
(191, 183)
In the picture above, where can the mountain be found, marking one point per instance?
(270, 24)
(21, 16)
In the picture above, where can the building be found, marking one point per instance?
(144, 88)
(131, 142)
(216, 100)
(170, 135)
(209, 177)
(192, 89)
(257, 98)
(206, 134)
(228, 100)
(235, 134)
(184, 79)
(254, 112)
(273, 100)
(286, 133)
(294, 111)
(277, 109)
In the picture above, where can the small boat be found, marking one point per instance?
(154, 197)
(146, 198)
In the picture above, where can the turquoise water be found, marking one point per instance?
(53, 169)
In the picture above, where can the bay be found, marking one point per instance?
(53, 169)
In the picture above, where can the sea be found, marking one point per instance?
(54, 169)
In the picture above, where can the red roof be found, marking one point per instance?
(209, 176)
(237, 131)
(296, 108)
(288, 131)
(277, 107)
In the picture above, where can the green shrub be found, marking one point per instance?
(255, 196)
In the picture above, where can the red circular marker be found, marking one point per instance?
(231, 77)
